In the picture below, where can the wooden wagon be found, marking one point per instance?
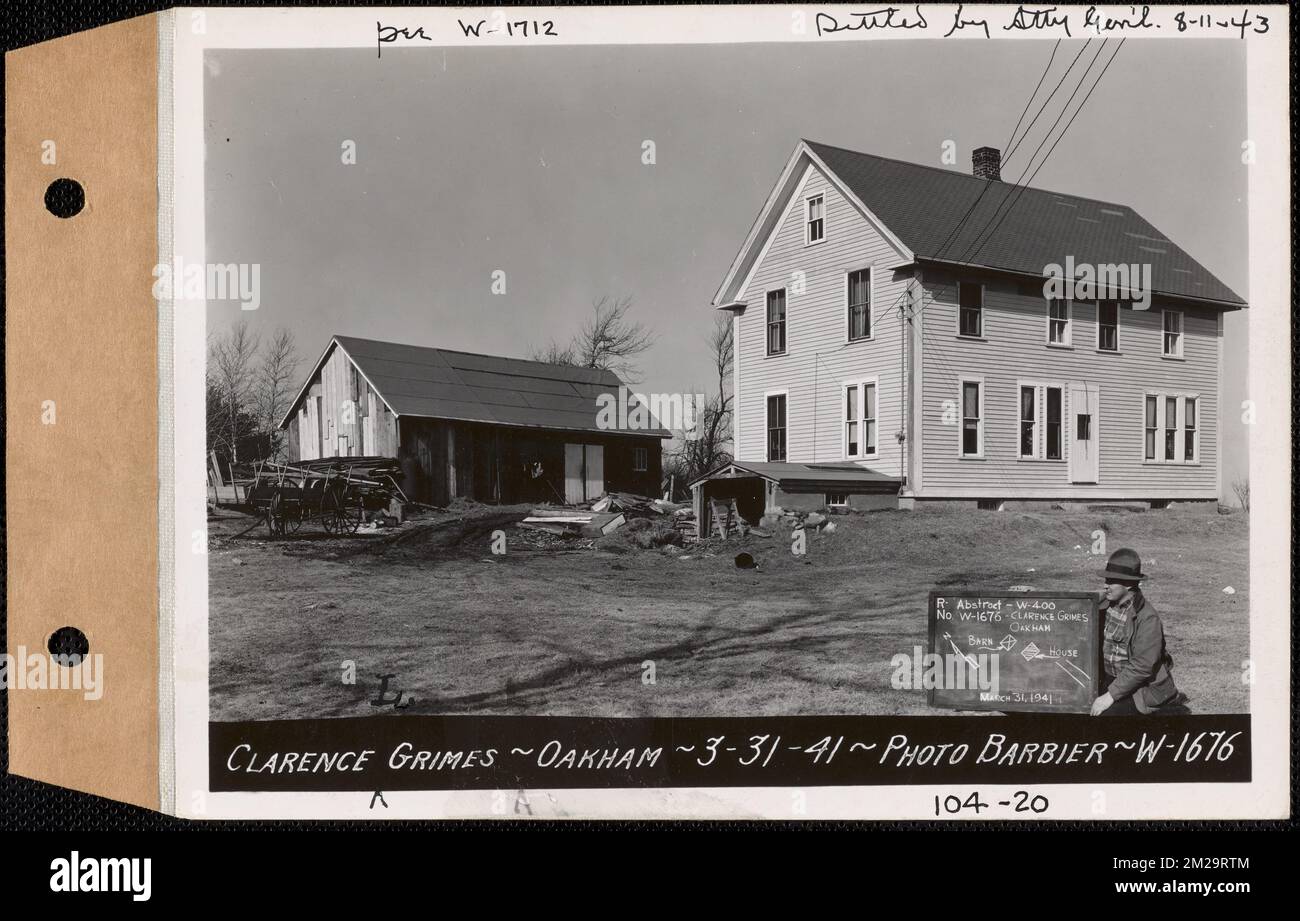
(335, 492)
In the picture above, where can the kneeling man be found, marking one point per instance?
(1135, 664)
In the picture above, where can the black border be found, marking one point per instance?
(28, 804)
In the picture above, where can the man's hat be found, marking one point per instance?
(1124, 565)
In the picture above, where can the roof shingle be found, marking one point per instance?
(1013, 228)
(444, 384)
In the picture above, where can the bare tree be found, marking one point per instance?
(609, 340)
(273, 389)
(555, 354)
(1242, 488)
(231, 382)
(705, 447)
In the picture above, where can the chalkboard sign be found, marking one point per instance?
(1023, 651)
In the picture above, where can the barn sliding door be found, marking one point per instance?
(584, 473)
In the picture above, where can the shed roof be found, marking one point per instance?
(787, 474)
(438, 383)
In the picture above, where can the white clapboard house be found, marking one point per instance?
(895, 343)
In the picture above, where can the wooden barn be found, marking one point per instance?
(499, 430)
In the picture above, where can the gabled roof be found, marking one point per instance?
(1013, 228)
(435, 383)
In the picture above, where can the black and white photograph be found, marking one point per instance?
(531, 415)
(714, 413)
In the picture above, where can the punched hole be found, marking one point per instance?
(65, 198)
(68, 645)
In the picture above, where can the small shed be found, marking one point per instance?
(760, 487)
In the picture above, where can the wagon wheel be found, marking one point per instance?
(275, 515)
(291, 516)
(340, 513)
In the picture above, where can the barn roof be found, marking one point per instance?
(923, 211)
(437, 383)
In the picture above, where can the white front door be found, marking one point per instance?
(1085, 432)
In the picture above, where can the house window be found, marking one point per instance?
(851, 423)
(1171, 427)
(640, 460)
(776, 322)
(860, 304)
(868, 419)
(816, 219)
(1028, 422)
(1058, 321)
(1108, 326)
(776, 427)
(972, 424)
(837, 500)
(1173, 334)
(1177, 417)
(860, 419)
(1040, 406)
(970, 299)
(1152, 425)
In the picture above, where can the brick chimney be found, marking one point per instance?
(986, 163)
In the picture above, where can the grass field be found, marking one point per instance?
(567, 632)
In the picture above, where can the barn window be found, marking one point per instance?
(640, 460)
(837, 500)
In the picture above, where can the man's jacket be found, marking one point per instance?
(1146, 674)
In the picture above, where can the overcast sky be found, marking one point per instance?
(529, 161)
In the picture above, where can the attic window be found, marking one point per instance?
(816, 219)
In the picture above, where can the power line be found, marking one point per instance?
(1011, 152)
(1023, 184)
(1017, 191)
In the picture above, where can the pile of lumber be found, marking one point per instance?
(634, 506)
(573, 523)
